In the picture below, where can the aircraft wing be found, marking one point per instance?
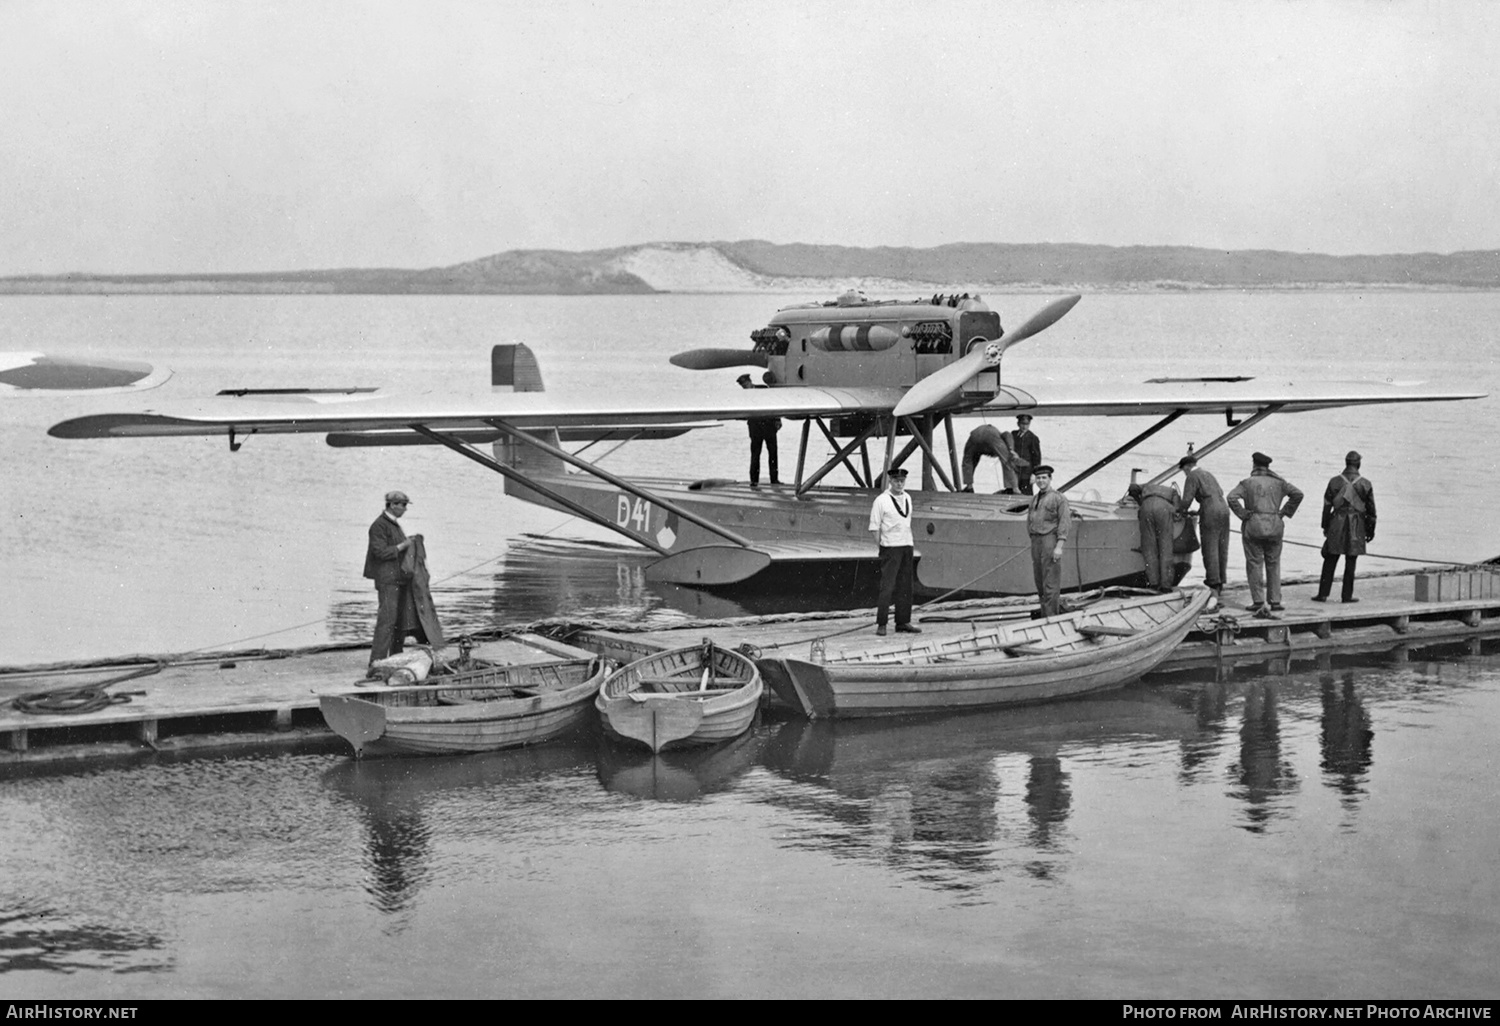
(360, 417)
(346, 412)
(1211, 395)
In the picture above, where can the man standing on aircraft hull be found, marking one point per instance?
(1028, 450)
(988, 440)
(1257, 501)
(1048, 520)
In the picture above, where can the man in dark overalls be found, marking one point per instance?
(1157, 505)
(1348, 522)
(1213, 521)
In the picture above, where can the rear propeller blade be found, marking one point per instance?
(719, 359)
(940, 385)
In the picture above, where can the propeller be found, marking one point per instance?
(941, 384)
(718, 359)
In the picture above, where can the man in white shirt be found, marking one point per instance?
(890, 519)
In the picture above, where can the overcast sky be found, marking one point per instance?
(222, 136)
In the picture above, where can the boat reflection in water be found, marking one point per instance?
(685, 775)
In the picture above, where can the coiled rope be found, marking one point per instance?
(83, 699)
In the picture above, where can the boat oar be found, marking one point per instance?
(938, 386)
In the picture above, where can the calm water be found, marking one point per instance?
(1319, 832)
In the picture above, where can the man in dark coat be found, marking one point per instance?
(762, 433)
(1157, 506)
(1348, 522)
(1028, 448)
(1257, 501)
(1213, 520)
(398, 613)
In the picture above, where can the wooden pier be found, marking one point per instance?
(265, 699)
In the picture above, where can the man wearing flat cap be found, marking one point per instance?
(890, 519)
(1258, 502)
(388, 543)
(1348, 522)
(1027, 450)
(1048, 521)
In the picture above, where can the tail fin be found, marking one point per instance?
(513, 368)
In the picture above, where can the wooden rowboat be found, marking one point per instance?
(699, 695)
(478, 711)
(1104, 645)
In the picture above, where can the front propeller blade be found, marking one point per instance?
(940, 385)
(719, 359)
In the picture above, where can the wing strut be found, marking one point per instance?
(619, 482)
(921, 439)
(1238, 429)
(1122, 450)
(463, 449)
(837, 458)
(863, 482)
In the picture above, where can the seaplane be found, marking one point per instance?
(861, 373)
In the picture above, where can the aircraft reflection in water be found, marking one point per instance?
(548, 579)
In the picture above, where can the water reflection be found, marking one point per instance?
(394, 801)
(955, 802)
(43, 938)
(1345, 739)
(677, 776)
(1263, 774)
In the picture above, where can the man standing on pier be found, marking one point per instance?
(1213, 521)
(398, 611)
(1048, 520)
(1157, 505)
(1257, 501)
(890, 519)
(1348, 522)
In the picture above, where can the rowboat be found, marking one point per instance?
(1104, 645)
(478, 711)
(697, 695)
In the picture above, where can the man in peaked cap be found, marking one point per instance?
(398, 613)
(1027, 448)
(1258, 502)
(1348, 522)
(1049, 518)
(890, 519)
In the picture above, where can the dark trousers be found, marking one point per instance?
(1213, 526)
(769, 440)
(1325, 585)
(1155, 519)
(1047, 572)
(1023, 481)
(896, 580)
(396, 618)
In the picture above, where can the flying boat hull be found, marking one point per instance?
(974, 543)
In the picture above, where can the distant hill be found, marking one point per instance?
(755, 266)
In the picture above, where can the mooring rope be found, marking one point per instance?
(83, 699)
